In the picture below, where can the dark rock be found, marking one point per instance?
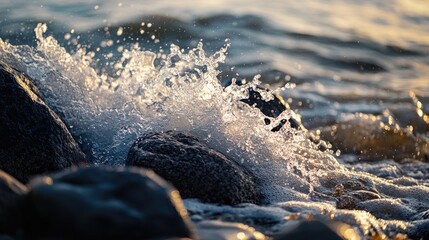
(350, 192)
(11, 195)
(272, 108)
(104, 203)
(310, 230)
(33, 139)
(350, 199)
(346, 202)
(5, 237)
(364, 195)
(196, 170)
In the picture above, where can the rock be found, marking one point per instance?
(346, 202)
(196, 170)
(5, 237)
(33, 139)
(104, 203)
(217, 230)
(350, 200)
(309, 230)
(272, 108)
(11, 194)
(350, 191)
(372, 139)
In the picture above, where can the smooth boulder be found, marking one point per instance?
(196, 170)
(33, 138)
(11, 196)
(104, 203)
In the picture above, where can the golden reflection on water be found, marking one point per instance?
(346, 232)
(388, 24)
(419, 108)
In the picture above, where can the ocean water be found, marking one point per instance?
(354, 73)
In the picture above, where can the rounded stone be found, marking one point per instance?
(11, 196)
(196, 170)
(33, 138)
(105, 203)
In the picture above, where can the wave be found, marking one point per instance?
(180, 90)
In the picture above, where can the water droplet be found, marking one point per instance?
(337, 153)
(120, 31)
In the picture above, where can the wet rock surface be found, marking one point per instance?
(33, 138)
(5, 237)
(196, 170)
(11, 195)
(272, 109)
(104, 203)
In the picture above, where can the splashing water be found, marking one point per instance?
(182, 92)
